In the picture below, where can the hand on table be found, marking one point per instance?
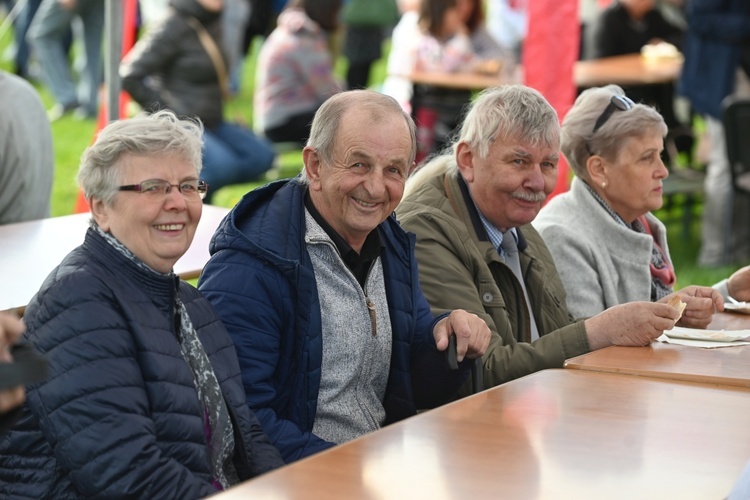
(472, 334)
(631, 324)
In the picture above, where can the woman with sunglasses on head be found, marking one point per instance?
(144, 397)
(607, 245)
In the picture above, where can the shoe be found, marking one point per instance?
(59, 110)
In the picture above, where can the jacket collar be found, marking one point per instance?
(473, 213)
(270, 222)
(154, 284)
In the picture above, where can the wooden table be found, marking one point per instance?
(31, 250)
(461, 80)
(554, 434)
(721, 366)
(631, 69)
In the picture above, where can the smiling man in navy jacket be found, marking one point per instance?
(317, 284)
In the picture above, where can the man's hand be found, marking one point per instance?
(631, 324)
(472, 334)
(739, 284)
(702, 302)
(10, 329)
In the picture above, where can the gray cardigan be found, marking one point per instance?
(601, 262)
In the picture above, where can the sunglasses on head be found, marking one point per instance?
(617, 102)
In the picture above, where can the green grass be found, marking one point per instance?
(72, 136)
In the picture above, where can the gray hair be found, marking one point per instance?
(578, 139)
(372, 105)
(145, 134)
(509, 112)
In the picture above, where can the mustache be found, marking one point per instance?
(535, 196)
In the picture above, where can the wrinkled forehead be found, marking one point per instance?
(373, 133)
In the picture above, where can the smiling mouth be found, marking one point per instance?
(364, 203)
(169, 227)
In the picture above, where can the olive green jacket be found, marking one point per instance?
(460, 269)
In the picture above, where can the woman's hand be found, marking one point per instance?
(702, 302)
(739, 284)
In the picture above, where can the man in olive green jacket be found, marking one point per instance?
(465, 207)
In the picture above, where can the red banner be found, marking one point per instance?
(549, 54)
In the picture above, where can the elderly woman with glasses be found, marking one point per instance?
(144, 397)
(607, 245)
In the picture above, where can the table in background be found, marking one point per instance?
(461, 80)
(29, 251)
(553, 434)
(721, 365)
(631, 69)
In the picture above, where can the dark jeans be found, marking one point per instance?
(232, 154)
(296, 129)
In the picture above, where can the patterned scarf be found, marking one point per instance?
(662, 273)
(218, 425)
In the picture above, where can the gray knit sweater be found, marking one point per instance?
(356, 343)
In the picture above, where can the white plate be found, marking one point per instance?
(741, 307)
(679, 332)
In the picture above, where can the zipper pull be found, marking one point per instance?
(373, 318)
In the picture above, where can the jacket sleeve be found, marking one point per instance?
(448, 283)
(433, 382)
(149, 60)
(667, 31)
(264, 456)
(252, 302)
(313, 65)
(93, 410)
(606, 36)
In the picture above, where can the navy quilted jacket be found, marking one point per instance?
(260, 280)
(119, 416)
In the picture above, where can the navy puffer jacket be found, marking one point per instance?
(261, 281)
(119, 416)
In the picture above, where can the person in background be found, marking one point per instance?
(295, 70)
(48, 35)
(234, 17)
(625, 27)
(452, 39)
(717, 65)
(144, 397)
(506, 22)
(471, 212)
(27, 161)
(179, 64)
(607, 245)
(317, 284)
(21, 25)
(366, 23)
(404, 40)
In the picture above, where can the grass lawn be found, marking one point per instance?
(72, 136)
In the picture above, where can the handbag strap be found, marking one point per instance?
(214, 53)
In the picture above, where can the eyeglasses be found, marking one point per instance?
(618, 102)
(191, 190)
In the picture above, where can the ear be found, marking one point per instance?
(100, 213)
(312, 163)
(597, 169)
(465, 161)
